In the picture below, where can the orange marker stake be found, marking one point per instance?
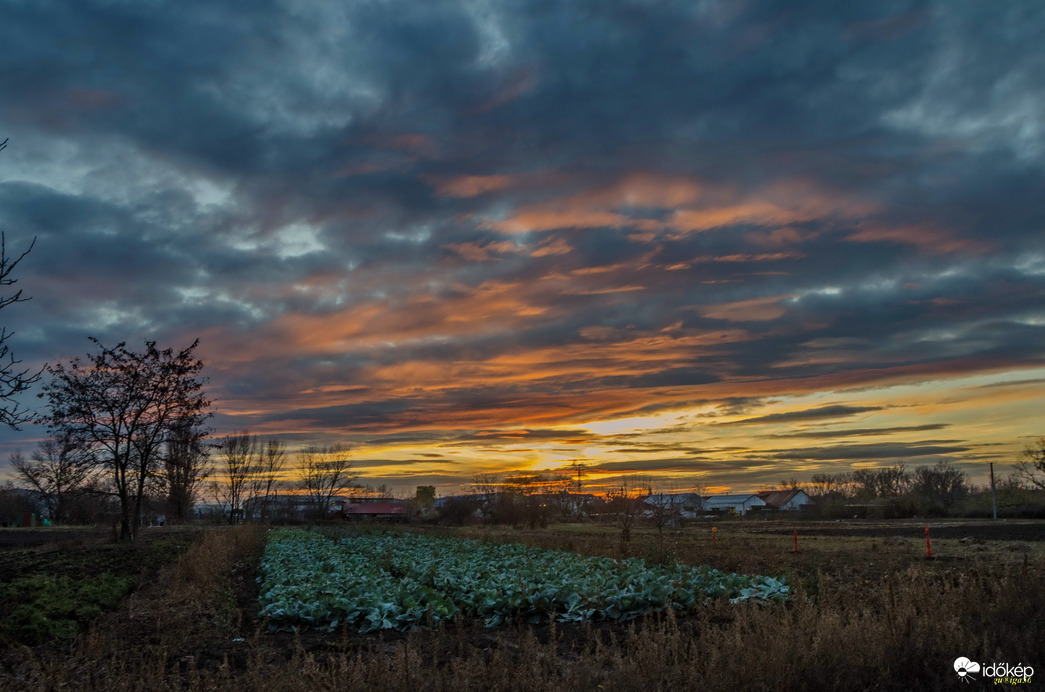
(928, 544)
(796, 540)
(714, 538)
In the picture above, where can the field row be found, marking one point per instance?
(398, 581)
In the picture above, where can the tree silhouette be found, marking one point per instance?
(186, 466)
(324, 473)
(122, 407)
(58, 471)
(1031, 468)
(13, 380)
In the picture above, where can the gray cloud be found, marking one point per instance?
(649, 465)
(833, 411)
(862, 432)
(882, 450)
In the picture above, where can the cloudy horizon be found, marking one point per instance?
(715, 243)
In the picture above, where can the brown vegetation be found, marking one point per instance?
(868, 612)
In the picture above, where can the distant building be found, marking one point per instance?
(389, 510)
(786, 500)
(733, 504)
(684, 505)
(577, 504)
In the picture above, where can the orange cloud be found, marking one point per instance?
(923, 236)
(556, 246)
(753, 310)
(493, 306)
(470, 185)
(605, 206)
(418, 144)
(538, 218)
(780, 204)
(775, 237)
(694, 206)
(481, 252)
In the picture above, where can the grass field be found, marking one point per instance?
(868, 611)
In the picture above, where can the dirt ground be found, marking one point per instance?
(35, 537)
(978, 530)
(74, 552)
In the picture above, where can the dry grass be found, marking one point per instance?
(851, 624)
(156, 630)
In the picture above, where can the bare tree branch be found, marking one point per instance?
(13, 380)
(121, 407)
(324, 473)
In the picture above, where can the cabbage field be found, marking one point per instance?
(402, 581)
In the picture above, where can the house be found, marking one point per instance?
(577, 504)
(291, 507)
(691, 505)
(393, 510)
(684, 505)
(733, 504)
(786, 500)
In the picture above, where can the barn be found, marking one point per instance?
(786, 500)
(733, 504)
(386, 511)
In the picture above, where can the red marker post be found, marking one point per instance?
(714, 538)
(796, 540)
(928, 544)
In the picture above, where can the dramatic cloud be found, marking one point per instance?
(518, 235)
(884, 450)
(836, 411)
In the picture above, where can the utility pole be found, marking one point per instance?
(994, 495)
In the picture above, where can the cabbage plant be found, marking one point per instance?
(403, 581)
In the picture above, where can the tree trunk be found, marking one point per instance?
(125, 519)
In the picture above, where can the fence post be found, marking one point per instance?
(796, 540)
(928, 544)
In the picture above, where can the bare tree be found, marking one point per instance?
(59, 471)
(186, 467)
(13, 380)
(664, 508)
(267, 480)
(888, 482)
(238, 466)
(486, 486)
(120, 407)
(940, 486)
(324, 473)
(699, 496)
(16, 501)
(624, 504)
(831, 486)
(524, 497)
(1031, 467)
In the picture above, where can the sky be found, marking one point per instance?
(709, 244)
